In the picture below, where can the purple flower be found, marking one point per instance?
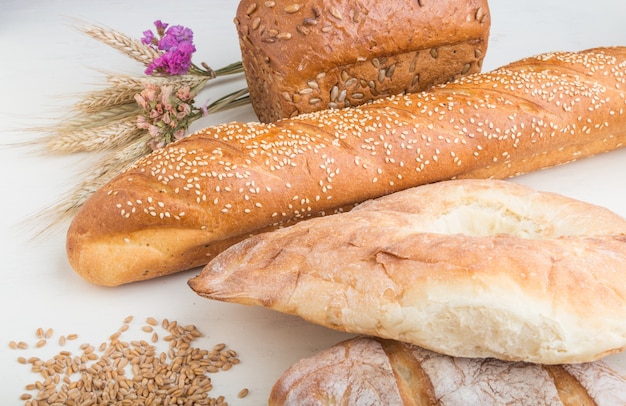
(175, 35)
(176, 61)
(148, 38)
(161, 27)
(177, 42)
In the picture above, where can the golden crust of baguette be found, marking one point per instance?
(181, 205)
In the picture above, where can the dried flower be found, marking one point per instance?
(135, 115)
(176, 61)
(177, 42)
(167, 114)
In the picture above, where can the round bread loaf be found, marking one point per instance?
(311, 55)
(366, 371)
(470, 268)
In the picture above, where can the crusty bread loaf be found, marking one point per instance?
(470, 268)
(311, 55)
(181, 205)
(366, 371)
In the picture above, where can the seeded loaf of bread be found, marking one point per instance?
(368, 371)
(181, 205)
(467, 268)
(309, 55)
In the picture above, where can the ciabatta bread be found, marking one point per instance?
(366, 371)
(310, 55)
(183, 204)
(468, 268)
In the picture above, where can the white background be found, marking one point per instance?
(45, 64)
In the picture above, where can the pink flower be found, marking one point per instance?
(167, 113)
(183, 93)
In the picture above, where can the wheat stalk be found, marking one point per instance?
(105, 169)
(139, 83)
(98, 118)
(114, 134)
(131, 47)
(113, 163)
(102, 99)
(124, 88)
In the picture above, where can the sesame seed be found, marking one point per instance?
(296, 163)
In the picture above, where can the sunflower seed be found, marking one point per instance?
(251, 9)
(335, 13)
(292, 8)
(334, 92)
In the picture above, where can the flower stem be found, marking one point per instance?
(229, 101)
(235, 67)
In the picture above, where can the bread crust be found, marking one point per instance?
(181, 205)
(312, 55)
(367, 371)
(467, 268)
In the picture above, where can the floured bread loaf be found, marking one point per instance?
(469, 268)
(369, 371)
(311, 55)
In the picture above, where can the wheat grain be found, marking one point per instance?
(101, 377)
(243, 393)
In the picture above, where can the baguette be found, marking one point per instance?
(371, 371)
(182, 205)
(317, 54)
(468, 268)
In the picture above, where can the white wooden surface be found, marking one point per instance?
(45, 63)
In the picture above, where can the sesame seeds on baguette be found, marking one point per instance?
(180, 206)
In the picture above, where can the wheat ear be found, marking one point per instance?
(105, 169)
(131, 47)
(112, 135)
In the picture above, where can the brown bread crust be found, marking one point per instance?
(367, 371)
(181, 205)
(310, 55)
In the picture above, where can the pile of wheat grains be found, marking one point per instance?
(132, 372)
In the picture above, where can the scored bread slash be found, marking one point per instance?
(357, 370)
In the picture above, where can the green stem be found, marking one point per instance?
(236, 67)
(229, 101)
(205, 70)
